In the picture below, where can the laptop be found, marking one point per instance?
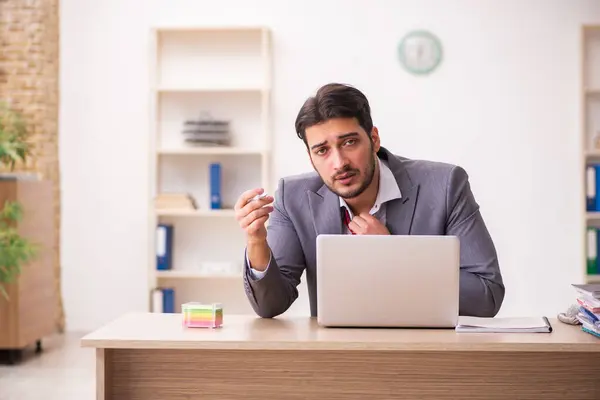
(407, 281)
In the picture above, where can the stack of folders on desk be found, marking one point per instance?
(588, 298)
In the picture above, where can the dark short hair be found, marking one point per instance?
(334, 100)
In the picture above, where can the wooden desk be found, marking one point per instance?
(151, 356)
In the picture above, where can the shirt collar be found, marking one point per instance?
(388, 189)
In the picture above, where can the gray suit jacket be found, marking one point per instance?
(436, 200)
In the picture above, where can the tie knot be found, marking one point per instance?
(347, 219)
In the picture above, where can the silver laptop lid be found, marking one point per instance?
(388, 281)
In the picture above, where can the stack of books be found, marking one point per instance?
(175, 201)
(207, 131)
(588, 298)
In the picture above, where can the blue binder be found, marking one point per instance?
(594, 268)
(597, 188)
(168, 300)
(215, 185)
(164, 246)
(590, 192)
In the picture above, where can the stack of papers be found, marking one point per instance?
(504, 325)
(588, 298)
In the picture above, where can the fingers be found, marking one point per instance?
(246, 196)
(365, 223)
(245, 204)
(368, 217)
(354, 227)
(253, 206)
(257, 225)
(246, 220)
(360, 221)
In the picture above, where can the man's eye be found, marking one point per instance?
(350, 142)
(321, 151)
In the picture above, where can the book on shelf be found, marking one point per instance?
(215, 185)
(175, 201)
(163, 300)
(592, 248)
(164, 247)
(592, 197)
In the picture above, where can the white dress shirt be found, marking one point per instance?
(388, 190)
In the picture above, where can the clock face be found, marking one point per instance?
(420, 52)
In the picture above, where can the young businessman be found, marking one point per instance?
(359, 187)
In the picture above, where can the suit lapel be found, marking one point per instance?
(400, 212)
(325, 210)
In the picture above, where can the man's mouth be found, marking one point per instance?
(346, 177)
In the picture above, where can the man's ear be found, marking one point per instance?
(375, 139)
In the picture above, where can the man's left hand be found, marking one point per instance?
(366, 224)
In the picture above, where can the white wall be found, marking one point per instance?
(504, 104)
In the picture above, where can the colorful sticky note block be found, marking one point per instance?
(201, 315)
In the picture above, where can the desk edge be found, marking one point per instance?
(340, 346)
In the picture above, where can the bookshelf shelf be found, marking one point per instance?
(212, 150)
(210, 84)
(197, 213)
(592, 153)
(204, 89)
(194, 275)
(590, 95)
(593, 216)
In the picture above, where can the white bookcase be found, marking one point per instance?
(225, 72)
(590, 94)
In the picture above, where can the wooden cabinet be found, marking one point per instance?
(30, 313)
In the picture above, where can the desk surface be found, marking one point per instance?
(165, 331)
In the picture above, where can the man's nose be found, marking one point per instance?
(338, 160)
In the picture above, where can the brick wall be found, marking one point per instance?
(29, 65)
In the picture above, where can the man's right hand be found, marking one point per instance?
(253, 214)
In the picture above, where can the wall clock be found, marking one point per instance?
(420, 52)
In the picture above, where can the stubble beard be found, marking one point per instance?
(369, 174)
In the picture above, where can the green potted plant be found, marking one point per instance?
(15, 250)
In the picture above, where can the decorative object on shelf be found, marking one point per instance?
(199, 315)
(175, 201)
(420, 52)
(207, 131)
